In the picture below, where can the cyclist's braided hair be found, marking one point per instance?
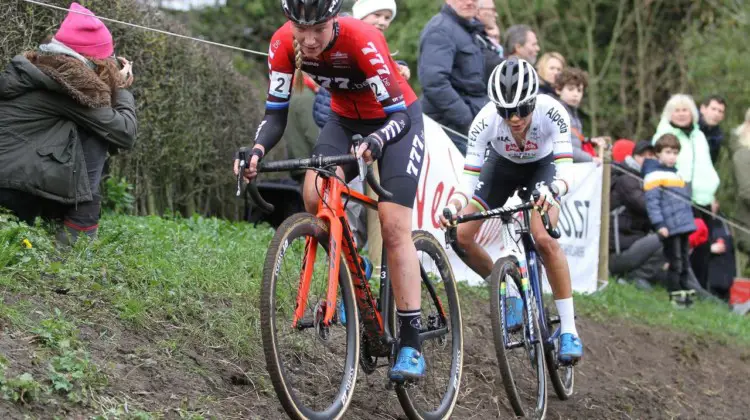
(299, 81)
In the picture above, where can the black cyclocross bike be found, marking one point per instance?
(526, 352)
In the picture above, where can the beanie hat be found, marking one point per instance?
(622, 149)
(363, 8)
(642, 147)
(85, 34)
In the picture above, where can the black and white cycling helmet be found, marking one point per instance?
(310, 12)
(513, 86)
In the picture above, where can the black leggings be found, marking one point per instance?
(401, 162)
(676, 251)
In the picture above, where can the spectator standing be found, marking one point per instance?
(671, 217)
(548, 67)
(680, 118)
(570, 85)
(301, 132)
(740, 149)
(522, 42)
(712, 114)
(67, 106)
(451, 68)
(493, 33)
(380, 14)
(493, 51)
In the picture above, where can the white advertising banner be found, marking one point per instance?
(579, 221)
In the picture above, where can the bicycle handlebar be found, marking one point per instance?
(451, 234)
(315, 163)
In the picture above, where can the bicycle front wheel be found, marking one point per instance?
(434, 397)
(521, 361)
(313, 366)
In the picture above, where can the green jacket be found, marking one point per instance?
(694, 162)
(301, 132)
(740, 164)
(45, 108)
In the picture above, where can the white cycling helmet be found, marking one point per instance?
(513, 87)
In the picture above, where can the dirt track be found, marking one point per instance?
(629, 372)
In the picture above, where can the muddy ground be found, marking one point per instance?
(629, 372)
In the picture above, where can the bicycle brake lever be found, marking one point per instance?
(357, 139)
(242, 156)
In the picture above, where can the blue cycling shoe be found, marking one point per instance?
(571, 349)
(409, 366)
(342, 313)
(513, 313)
(367, 267)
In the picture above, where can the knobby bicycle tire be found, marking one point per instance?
(426, 242)
(507, 267)
(299, 226)
(562, 377)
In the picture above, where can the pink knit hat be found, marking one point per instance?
(84, 34)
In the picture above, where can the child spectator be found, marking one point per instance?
(569, 86)
(671, 216)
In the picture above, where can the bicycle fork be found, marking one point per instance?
(527, 298)
(308, 266)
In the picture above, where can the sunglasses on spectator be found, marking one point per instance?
(523, 110)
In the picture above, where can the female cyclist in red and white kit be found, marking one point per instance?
(369, 97)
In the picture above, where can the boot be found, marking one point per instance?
(66, 237)
(680, 299)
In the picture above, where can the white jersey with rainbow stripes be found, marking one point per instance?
(549, 132)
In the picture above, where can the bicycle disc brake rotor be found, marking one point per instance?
(434, 323)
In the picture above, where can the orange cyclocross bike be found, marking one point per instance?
(320, 318)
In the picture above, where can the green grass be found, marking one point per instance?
(617, 303)
(201, 276)
(703, 319)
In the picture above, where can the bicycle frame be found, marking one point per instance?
(530, 277)
(332, 211)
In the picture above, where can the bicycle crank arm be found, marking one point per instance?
(517, 344)
(303, 325)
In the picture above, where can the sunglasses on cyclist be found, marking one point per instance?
(523, 110)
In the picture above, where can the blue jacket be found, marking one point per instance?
(451, 69)
(322, 107)
(664, 208)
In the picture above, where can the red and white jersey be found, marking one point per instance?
(356, 68)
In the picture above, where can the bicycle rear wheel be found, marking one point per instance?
(434, 397)
(313, 367)
(521, 362)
